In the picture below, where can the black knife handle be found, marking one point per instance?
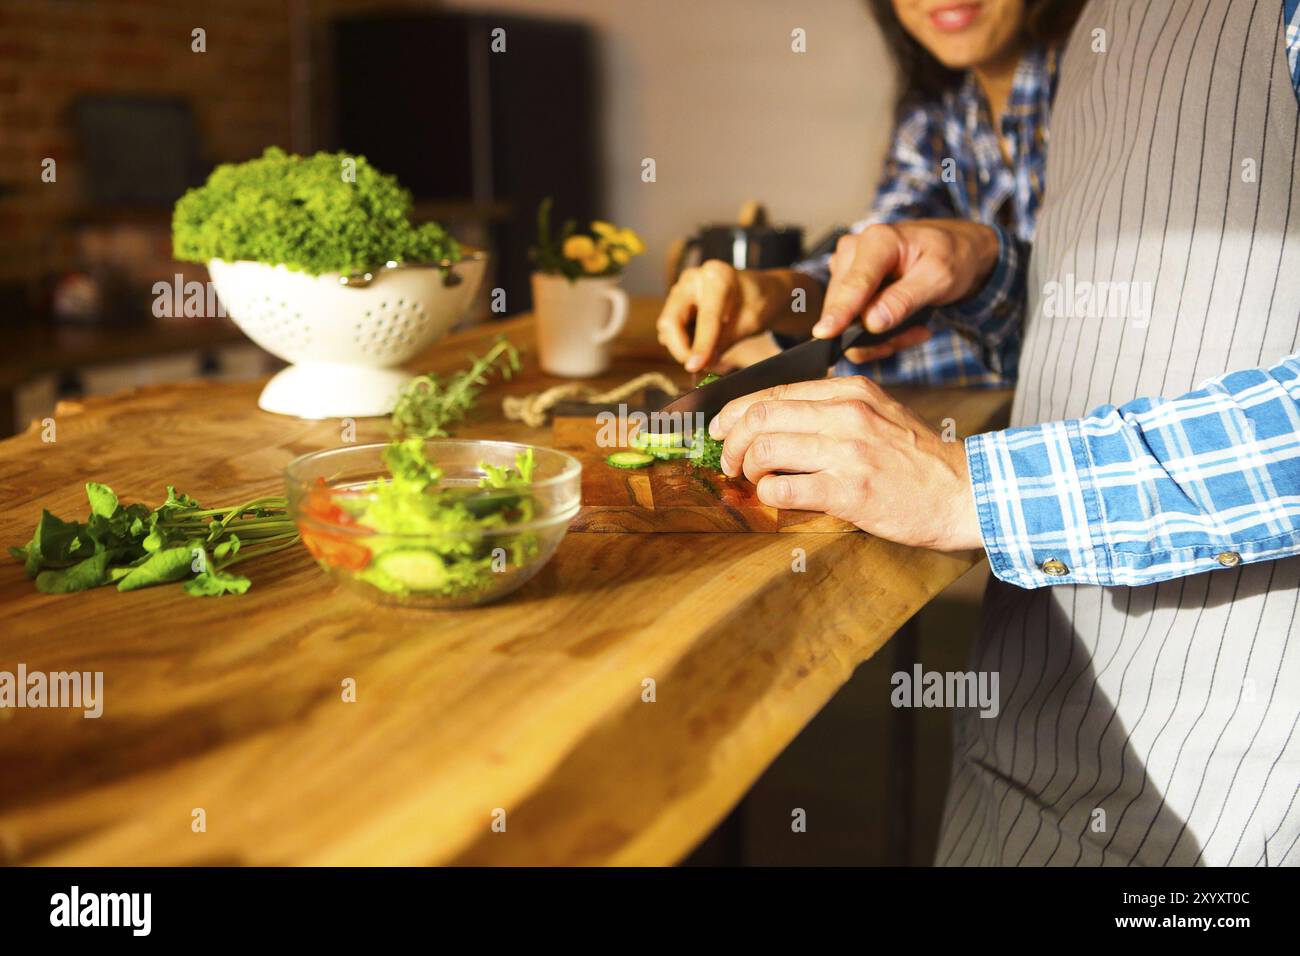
(857, 337)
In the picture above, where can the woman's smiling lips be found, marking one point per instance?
(955, 17)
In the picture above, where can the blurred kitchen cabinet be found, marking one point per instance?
(242, 363)
(34, 401)
(106, 379)
(481, 116)
(59, 360)
(33, 396)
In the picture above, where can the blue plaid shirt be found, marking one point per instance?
(1155, 488)
(1292, 13)
(944, 163)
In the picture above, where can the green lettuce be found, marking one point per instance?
(331, 212)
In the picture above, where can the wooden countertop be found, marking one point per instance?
(534, 705)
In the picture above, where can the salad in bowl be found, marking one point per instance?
(433, 523)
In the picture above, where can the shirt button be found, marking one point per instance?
(1229, 559)
(1053, 567)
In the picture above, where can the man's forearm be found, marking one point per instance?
(1152, 490)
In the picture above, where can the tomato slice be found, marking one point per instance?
(334, 550)
(321, 505)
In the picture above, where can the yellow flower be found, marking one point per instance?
(611, 245)
(596, 262)
(578, 247)
(630, 241)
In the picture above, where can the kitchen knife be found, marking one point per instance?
(799, 363)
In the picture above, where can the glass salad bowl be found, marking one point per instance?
(442, 523)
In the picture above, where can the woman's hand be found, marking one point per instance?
(930, 262)
(843, 447)
(724, 305)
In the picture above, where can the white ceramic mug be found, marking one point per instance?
(576, 321)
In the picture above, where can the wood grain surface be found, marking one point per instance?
(534, 706)
(669, 496)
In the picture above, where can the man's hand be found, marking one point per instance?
(887, 272)
(843, 447)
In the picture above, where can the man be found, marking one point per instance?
(1143, 519)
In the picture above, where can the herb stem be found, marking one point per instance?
(263, 549)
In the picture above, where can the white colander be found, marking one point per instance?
(343, 336)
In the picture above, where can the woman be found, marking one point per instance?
(962, 183)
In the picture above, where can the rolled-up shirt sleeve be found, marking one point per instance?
(994, 315)
(1147, 491)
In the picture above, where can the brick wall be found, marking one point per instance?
(53, 50)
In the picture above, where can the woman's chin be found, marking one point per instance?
(964, 54)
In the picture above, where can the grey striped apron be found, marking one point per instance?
(1152, 725)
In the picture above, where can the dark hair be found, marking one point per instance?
(1046, 21)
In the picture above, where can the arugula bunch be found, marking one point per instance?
(429, 405)
(134, 547)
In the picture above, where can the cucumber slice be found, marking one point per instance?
(630, 459)
(413, 570)
(481, 502)
(649, 441)
(669, 454)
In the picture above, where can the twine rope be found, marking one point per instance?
(533, 410)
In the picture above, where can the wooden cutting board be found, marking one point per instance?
(670, 495)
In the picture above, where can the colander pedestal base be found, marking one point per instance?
(321, 390)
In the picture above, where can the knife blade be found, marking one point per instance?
(800, 363)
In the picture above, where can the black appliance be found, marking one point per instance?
(427, 98)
